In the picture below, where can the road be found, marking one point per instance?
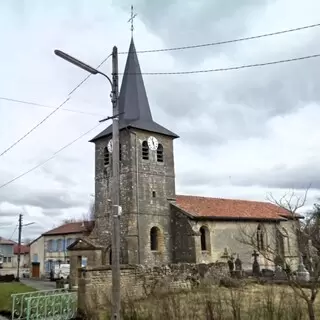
(38, 284)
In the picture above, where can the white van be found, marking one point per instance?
(62, 271)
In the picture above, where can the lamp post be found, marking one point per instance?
(115, 169)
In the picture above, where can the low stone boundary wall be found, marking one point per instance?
(137, 281)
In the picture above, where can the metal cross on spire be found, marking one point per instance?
(133, 15)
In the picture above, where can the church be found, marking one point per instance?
(159, 226)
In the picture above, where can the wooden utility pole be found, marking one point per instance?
(19, 247)
(116, 209)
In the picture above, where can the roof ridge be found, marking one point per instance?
(219, 198)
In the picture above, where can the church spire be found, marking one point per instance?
(133, 100)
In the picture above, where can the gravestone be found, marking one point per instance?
(267, 273)
(255, 265)
(225, 255)
(278, 261)
(302, 273)
(280, 274)
(231, 265)
(238, 265)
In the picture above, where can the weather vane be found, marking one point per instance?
(133, 15)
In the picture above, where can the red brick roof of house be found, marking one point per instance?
(23, 249)
(6, 241)
(72, 227)
(204, 207)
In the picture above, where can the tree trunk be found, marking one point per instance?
(311, 311)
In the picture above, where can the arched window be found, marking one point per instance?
(106, 156)
(160, 153)
(145, 150)
(260, 238)
(204, 238)
(154, 238)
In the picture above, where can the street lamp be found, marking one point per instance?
(116, 303)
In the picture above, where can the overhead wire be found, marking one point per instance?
(227, 41)
(14, 231)
(47, 160)
(35, 127)
(262, 64)
(50, 107)
(53, 112)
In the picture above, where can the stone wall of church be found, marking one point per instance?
(229, 237)
(184, 238)
(139, 281)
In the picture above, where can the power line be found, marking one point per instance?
(227, 41)
(42, 163)
(14, 231)
(54, 111)
(35, 127)
(227, 69)
(50, 107)
(89, 75)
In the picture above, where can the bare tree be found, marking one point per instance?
(306, 233)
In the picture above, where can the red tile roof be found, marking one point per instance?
(23, 249)
(6, 241)
(73, 227)
(202, 207)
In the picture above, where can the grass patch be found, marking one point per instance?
(9, 288)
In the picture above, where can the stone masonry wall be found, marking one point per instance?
(139, 281)
(146, 186)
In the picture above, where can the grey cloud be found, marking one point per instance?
(46, 199)
(281, 176)
(8, 213)
(180, 22)
(49, 200)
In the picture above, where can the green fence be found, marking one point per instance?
(59, 304)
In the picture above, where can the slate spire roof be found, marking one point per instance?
(133, 101)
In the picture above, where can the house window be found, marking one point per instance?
(69, 242)
(260, 238)
(160, 153)
(59, 245)
(153, 194)
(9, 259)
(154, 238)
(106, 156)
(145, 150)
(204, 238)
(4, 259)
(50, 246)
(120, 152)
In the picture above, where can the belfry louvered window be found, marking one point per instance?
(106, 157)
(160, 153)
(145, 150)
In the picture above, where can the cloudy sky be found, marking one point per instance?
(243, 133)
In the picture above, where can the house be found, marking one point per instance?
(49, 249)
(24, 256)
(157, 225)
(7, 252)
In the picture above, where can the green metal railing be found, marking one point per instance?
(56, 304)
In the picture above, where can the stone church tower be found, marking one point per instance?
(147, 176)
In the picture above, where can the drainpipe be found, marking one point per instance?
(137, 194)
